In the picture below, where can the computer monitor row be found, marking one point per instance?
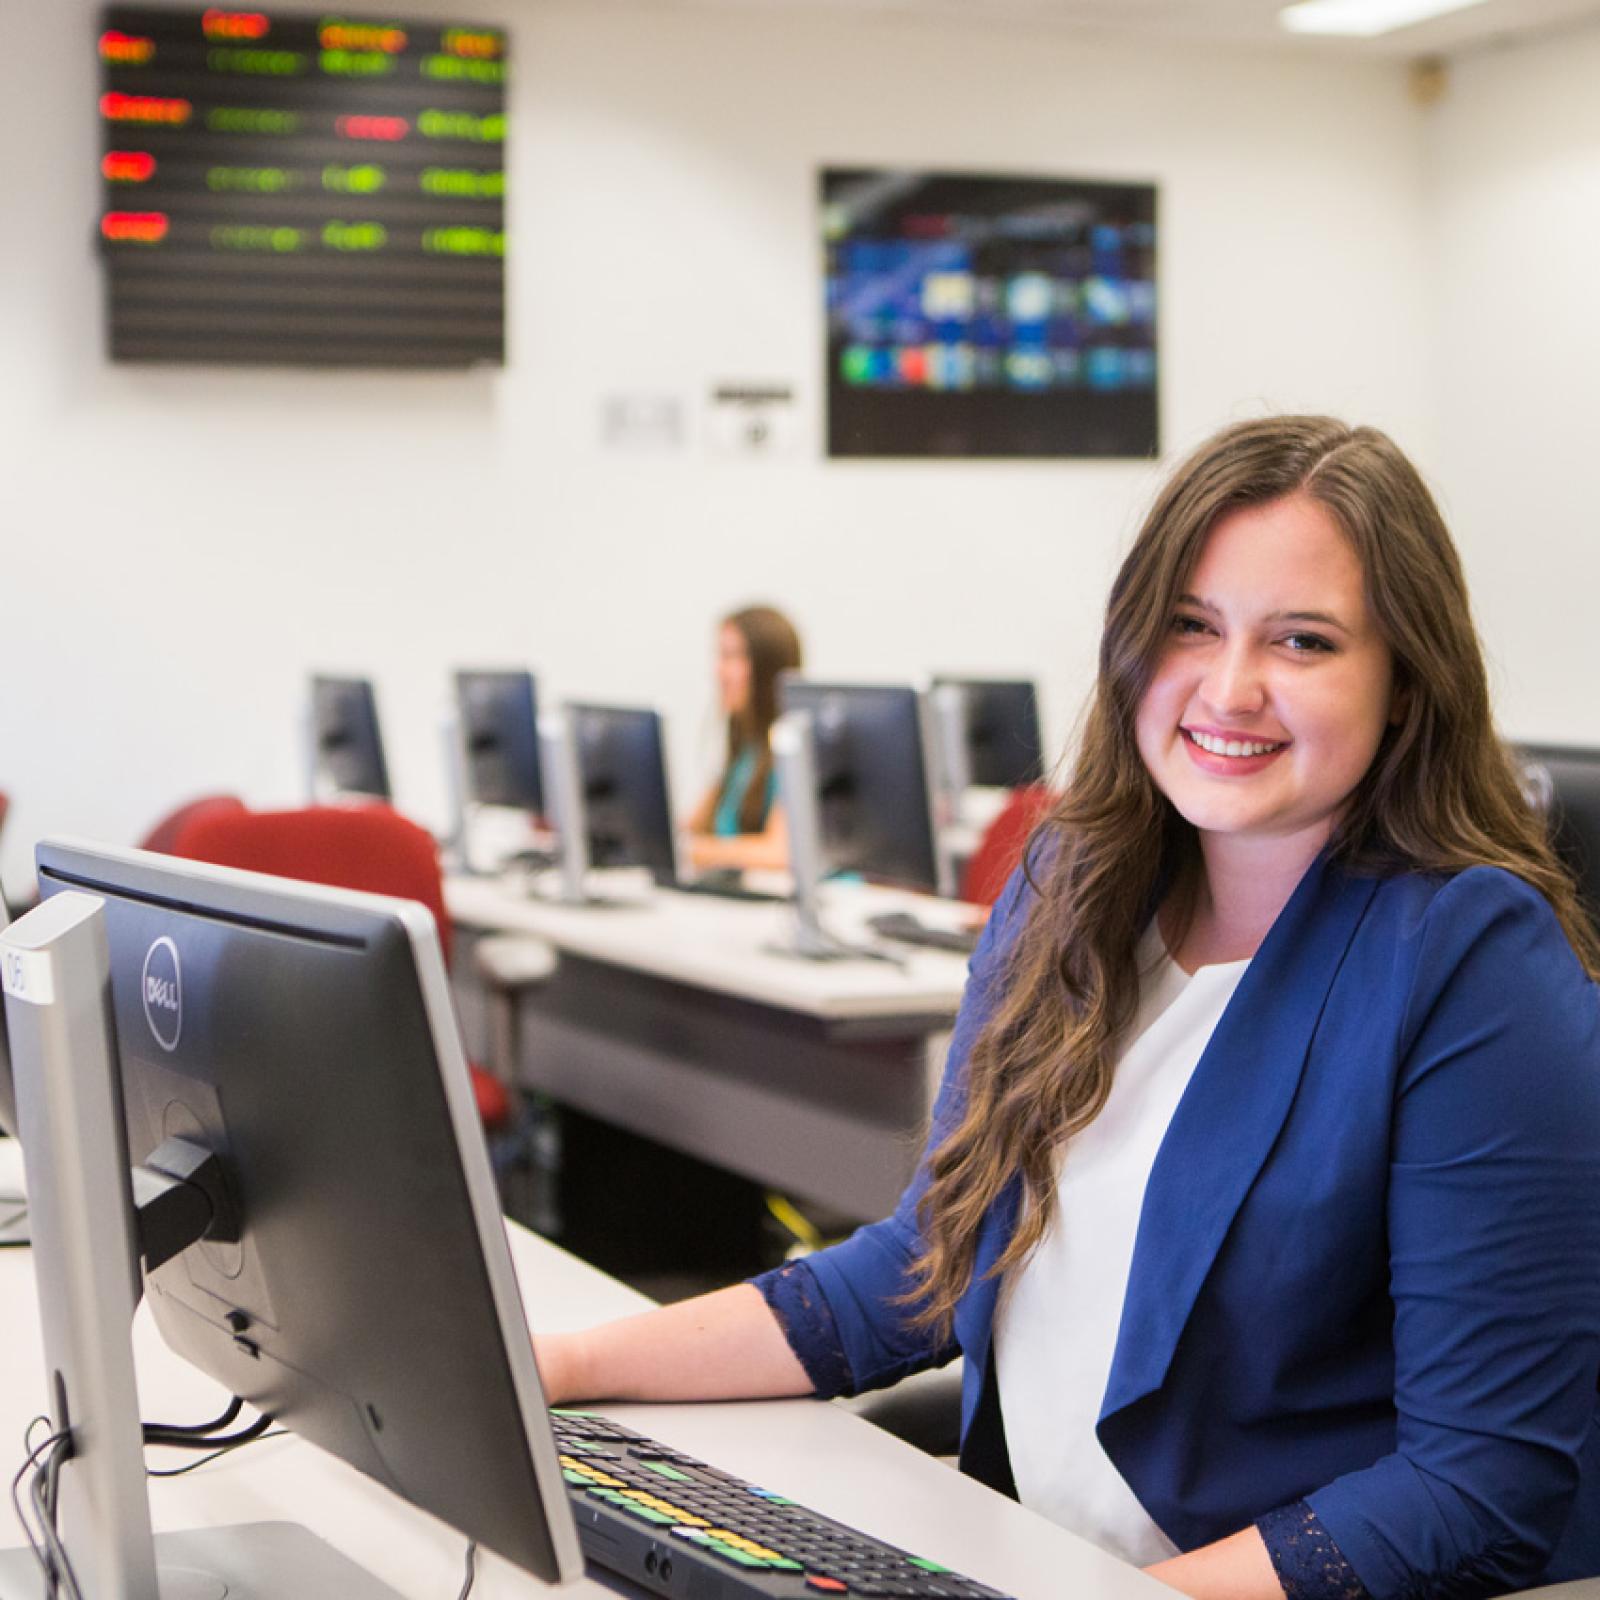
(987, 735)
(886, 760)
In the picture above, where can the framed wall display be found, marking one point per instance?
(302, 190)
(989, 316)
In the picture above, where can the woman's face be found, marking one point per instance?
(1274, 687)
(733, 670)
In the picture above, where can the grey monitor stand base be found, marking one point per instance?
(249, 1561)
(57, 980)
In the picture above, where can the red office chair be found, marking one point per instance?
(372, 848)
(168, 834)
(1000, 849)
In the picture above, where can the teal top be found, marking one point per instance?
(725, 819)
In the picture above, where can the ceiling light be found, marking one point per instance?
(1364, 18)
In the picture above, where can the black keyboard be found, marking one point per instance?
(726, 886)
(680, 1527)
(901, 925)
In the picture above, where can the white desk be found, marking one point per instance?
(681, 1018)
(818, 1453)
(736, 947)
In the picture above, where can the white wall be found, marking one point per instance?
(1514, 180)
(181, 546)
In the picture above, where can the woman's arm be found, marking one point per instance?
(767, 850)
(703, 815)
(1493, 1235)
(841, 1328)
(721, 1346)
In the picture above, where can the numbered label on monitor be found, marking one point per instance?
(26, 975)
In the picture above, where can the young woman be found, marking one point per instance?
(1263, 1193)
(738, 823)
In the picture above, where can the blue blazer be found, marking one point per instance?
(1367, 1270)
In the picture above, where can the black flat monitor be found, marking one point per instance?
(622, 774)
(874, 806)
(1004, 743)
(1564, 783)
(347, 747)
(304, 1035)
(499, 714)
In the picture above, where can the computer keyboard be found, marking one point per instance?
(726, 886)
(901, 925)
(681, 1527)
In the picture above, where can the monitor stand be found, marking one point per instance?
(794, 764)
(86, 1235)
(249, 1561)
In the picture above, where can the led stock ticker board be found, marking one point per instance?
(302, 190)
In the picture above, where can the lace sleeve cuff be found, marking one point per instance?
(1310, 1566)
(796, 1300)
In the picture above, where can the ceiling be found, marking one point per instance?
(1249, 22)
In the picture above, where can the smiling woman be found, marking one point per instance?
(1260, 1192)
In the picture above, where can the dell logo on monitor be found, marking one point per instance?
(161, 987)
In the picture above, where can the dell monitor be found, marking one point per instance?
(364, 1295)
(346, 755)
(620, 756)
(873, 801)
(1563, 781)
(1000, 746)
(499, 722)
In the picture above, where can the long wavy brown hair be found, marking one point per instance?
(1441, 795)
(773, 645)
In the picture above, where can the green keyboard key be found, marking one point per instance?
(668, 1472)
(741, 1557)
(927, 1566)
(645, 1513)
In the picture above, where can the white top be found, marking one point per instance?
(1057, 1324)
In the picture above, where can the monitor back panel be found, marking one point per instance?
(357, 1307)
(623, 771)
(349, 746)
(872, 779)
(500, 733)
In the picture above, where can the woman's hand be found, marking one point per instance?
(560, 1360)
(1235, 1568)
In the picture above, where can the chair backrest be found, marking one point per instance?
(371, 847)
(167, 835)
(1000, 849)
(1564, 784)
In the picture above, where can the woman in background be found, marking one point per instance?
(738, 824)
